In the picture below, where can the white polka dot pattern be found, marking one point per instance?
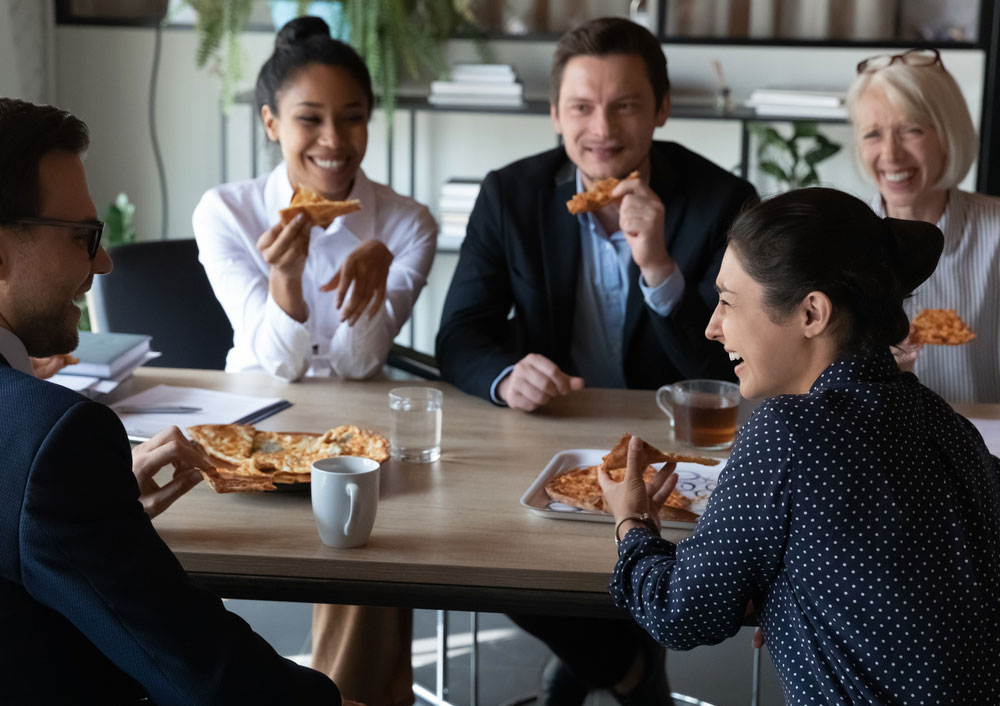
(863, 520)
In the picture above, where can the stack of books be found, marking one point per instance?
(105, 360)
(458, 196)
(487, 85)
(798, 103)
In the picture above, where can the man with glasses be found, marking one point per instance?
(93, 606)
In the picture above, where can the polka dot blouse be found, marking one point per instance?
(863, 521)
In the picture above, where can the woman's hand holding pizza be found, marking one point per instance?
(640, 217)
(285, 248)
(168, 448)
(367, 268)
(632, 496)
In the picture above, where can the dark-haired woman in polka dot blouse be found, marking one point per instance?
(858, 514)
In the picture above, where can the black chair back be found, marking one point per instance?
(159, 288)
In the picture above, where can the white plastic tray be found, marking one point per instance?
(693, 480)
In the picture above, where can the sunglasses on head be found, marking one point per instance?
(913, 57)
(94, 229)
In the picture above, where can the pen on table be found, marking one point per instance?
(126, 409)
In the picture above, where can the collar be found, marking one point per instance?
(278, 193)
(873, 366)
(14, 351)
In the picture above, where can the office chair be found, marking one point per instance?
(409, 360)
(159, 288)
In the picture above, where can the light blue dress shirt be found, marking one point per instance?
(596, 348)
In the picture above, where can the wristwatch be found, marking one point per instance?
(643, 517)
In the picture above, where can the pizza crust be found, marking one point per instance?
(618, 456)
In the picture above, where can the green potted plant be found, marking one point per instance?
(792, 160)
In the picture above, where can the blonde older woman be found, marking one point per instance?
(915, 138)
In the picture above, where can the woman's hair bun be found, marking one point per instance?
(300, 29)
(916, 247)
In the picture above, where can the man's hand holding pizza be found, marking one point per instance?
(632, 496)
(534, 381)
(367, 268)
(168, 448)
(640, 217)
(285, 248)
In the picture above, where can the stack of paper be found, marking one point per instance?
(105, 360)
(458, 196)
(157, 408)
(493, 85)
(798, 103)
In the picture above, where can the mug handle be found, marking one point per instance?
(352, 493)
(665, 401)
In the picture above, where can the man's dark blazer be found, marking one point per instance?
(522, 250)
(94, 608)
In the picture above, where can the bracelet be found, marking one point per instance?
(644, 518)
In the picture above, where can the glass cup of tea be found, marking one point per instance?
(702, 412)
(415, 432)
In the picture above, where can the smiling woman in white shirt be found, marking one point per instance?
(303, 300)
(307, 301)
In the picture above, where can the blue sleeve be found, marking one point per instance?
(664, 297)
(89, 552)
(696, 592)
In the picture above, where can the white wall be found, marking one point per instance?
(103, 75)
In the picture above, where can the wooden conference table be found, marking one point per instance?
(450, 534)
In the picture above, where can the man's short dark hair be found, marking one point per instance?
(27, 133)
(611, 35)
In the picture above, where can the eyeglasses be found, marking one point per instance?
(913, 57)
(92, 229)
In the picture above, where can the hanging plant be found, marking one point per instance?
(388, 34)
(220, 28)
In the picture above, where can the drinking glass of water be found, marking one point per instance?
(416, 423)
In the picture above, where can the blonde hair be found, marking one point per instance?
(930, 96)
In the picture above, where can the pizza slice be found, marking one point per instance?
(349, 440)
(618, 457)
(231, 443)
(597, 196)
(320, 211)
(941, 327)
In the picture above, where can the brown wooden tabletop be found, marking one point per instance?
(450, 534)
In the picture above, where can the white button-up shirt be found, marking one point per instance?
(227, 224)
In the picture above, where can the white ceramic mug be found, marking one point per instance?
(344, 499)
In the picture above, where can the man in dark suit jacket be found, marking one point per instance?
(523, 249)
(617, 298)
(93, 606)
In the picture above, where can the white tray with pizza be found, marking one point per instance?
(695, 482)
